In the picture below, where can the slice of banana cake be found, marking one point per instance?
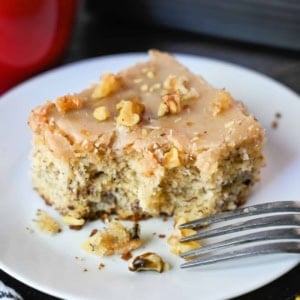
(152, 139)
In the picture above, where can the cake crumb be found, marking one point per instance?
(85, 270)
(114, 239)
(176, 247)
(101, 266)
(47, 223)
(161, 236)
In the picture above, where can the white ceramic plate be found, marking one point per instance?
(49, 264)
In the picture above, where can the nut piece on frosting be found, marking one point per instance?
(171, 159)
(175, 91)
(170, 104)
(176, 83)
(179, 84)
(109, 84)
(68, 102)
(114, 239)
(222, 102)
(130, 112)
(101, 113)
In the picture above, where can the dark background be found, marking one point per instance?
(261, 35)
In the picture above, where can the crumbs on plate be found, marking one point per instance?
(46, 223)
(275, 122)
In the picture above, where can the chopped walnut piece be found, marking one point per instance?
(221, 103)
(171, 159)
(179, 84)
(149, 261)
(162, 110)
(170, 105)
(40, 116)
(130, 112)
(109, 84)
(101, 113)
(176, 83)
(68, 102)
(192, 93)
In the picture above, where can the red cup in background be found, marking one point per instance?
(33, 37)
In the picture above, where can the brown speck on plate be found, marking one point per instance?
(101, 266)
(274, 124)
(93, 232)
(161, 236)
(30, 230)
(126, 255)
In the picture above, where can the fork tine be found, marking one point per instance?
(272, 248)
(275, 220)
(267, 235)
(269, 207)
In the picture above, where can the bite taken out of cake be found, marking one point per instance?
(152, 139)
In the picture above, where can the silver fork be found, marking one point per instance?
(277, 231)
